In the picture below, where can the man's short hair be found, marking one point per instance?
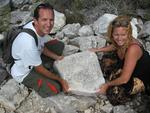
(42, 6)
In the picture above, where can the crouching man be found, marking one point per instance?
(29, 69)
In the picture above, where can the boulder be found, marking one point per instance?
(4, 14)
(82, 72)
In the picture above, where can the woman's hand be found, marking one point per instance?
(93, 49)
(103, 88)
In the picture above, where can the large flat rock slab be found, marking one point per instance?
(82, 72)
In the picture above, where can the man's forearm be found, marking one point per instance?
(40, 69)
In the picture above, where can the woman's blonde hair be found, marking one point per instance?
(120, 21)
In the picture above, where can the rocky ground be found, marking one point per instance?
(15, 98)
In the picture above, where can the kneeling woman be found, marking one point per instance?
(135, 61)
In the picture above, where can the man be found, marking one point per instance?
(29, 69)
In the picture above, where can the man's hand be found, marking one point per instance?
(65, 85)
(60, 57)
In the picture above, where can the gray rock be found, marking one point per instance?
(4, 7)
(3, 74)
(34, 104)
(145, 32)
(70, 49)
(4, 14)
(91, 42)
(20, 17)
(71, 30)
(70, 104)
(86, 30)
(2, 110)
(11, 97)
(123, 109)
(101, 24)
(19, 3)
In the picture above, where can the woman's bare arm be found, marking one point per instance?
(131, 58)
(103, 49)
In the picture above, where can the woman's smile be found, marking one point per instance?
(120, 35)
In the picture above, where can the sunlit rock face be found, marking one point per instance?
(82, 72)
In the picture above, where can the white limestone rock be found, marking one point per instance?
(82, 72)
(100, 26)
(88, 42)
(12, 94)
(1, 37)
(19, 18)
(71, 30)
(70, 49)
(34, 104)
(59, 22)
(86, 30)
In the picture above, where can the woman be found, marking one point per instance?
(135, 61)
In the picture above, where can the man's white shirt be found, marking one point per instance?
(25, 50)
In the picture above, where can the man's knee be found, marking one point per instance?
(56, 47)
